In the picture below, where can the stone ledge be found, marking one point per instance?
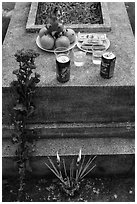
(114, 155)
(76, 130)
(105, 27)
(71, 146)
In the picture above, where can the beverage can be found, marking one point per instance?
(63, 68)
(107, 65)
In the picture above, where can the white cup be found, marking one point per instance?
(79, 58)
(97, 55)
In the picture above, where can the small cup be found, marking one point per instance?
(97, 55)
(61, 50)
(79, 58)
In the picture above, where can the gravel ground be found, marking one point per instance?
(108, 189)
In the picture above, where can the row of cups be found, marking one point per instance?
(79, 57)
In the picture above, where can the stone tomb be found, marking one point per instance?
(88, 112)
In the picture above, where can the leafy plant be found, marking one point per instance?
(70, 181)
(24, 86)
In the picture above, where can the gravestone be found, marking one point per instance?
(88, 112)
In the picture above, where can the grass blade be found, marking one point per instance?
(88, 171)
(57, 175)
(87, 165)
(58, 172)
(65, 168)
(53, 165)
(71, 170)
(85, 168)
(79, 170)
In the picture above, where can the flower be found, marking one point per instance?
(79, 156)
(58, 157)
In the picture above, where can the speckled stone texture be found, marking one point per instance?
(86, 98)
(122, 44)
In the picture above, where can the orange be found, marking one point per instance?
(47, 42)
(70, 34)
(43, 31)
(62, 41)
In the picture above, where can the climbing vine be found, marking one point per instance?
(24, 88)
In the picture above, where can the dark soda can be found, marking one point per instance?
(63, 68)
(107, 65)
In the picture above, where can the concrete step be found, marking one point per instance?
(114, 145)
(71, 146)
(76, 130)
(114, 155)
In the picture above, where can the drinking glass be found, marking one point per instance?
(97, 54)
(79, 58)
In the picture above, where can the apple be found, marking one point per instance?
(62, 41)
(47, 42)
(43, 31)
(70, 34)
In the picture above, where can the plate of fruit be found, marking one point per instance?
(48, 43)
(54, 35)
(85, 41)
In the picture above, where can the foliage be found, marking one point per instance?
(70, 181)
(24, 86)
